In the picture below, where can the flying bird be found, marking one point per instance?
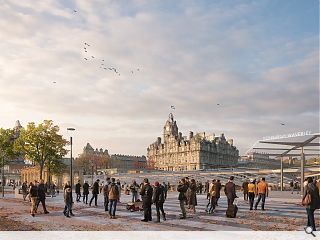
(138, 69)
(54, 82)
(282, 124)
(75, 11)
(172, 107)
(86, 59)
(218, 104)
(87, 44)
(92, 56)
(102, 60)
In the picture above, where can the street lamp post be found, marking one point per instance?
(71, 177)
(2, 175)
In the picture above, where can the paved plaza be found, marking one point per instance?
(283, 213)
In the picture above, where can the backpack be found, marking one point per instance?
(34, 191)
(113, 192)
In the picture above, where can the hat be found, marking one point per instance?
(251, 180)
(156, 184)
(98, 180)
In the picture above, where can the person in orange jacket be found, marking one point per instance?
(262, 191)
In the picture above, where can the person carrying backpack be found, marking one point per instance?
(158, 199)
(113, 198)
(311, 201)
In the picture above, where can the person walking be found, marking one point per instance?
(95, 192)
(230, 191)
(24, 188)
(119, 187)
(67, 185)
(262, 191)
(42, 196)
(245, 190)
(158, 199)
(218, 190)
(68, 200)
(113, 198)
(165, 189)
(292, 186)
(106, 189)
(33, 193)
(206, 188)
(134, 191)
(78, 188)
(182, 189)
(193, 195)
(213, 194)
(85, 192)
(312, 193)
(146, 193)
(251, 193)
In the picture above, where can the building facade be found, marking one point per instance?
(199, 151)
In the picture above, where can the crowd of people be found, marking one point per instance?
(254, 192)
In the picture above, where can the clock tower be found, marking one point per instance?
(170, 129)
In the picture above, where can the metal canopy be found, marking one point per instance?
(296, 146)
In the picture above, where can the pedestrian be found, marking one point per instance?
(146, 193)
(292, 186)
(245, 190)
(68, 201)
(165, 189)
(106, 194)
(218, 190)
(193, 196)
(262, 191)
(42, 196)
(134, 191)
(85, 192)
(158, 199)
(78, 188)
(24, 188)
(95, 192)
(311, 200)
(33, 193)
(230, 191)
(114, 197)
(206, 188)
(182, 189)
(119, 187)
(200, 187)
(213, 194)
(67, 185)
(251, 193)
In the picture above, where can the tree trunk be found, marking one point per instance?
(41, 170)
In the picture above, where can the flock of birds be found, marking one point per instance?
(115, 70)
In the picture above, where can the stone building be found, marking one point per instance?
(199, 151)
(125, 163)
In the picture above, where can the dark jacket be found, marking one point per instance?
(85, 188)
(42, 191)
(230, 190)
(218, 189)
(182, 189)
(95, 189)
(192, 194)
(315, 199)
(245, 187)
(158, 195)
(146, 193)
(78, 186)
(134, 188)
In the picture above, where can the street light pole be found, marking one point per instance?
(2, 181)
(71, 170)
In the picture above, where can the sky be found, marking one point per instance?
(259, 60)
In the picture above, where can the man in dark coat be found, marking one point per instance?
(78, 187)
(106, 189)
(312, 189)
(182, 189)
(158, 199)
(24, 190)
(218, 187)
(146, 193)
(230, 191)
(95, 192)
(42, 196)
(85, 192)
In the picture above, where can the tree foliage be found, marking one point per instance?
(43, 145)
(6, 145)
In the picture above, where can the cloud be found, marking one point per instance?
(192, 55)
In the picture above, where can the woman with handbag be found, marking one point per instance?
(311, 200)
